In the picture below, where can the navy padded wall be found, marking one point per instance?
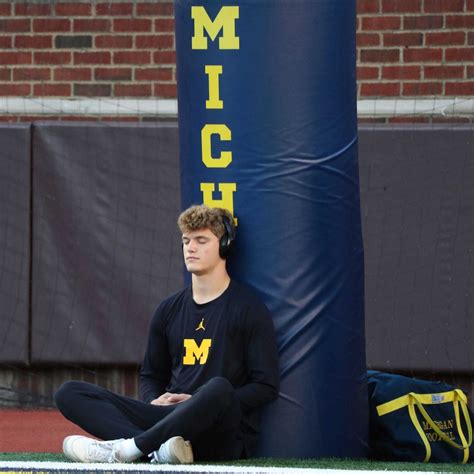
(106, 248)
(15, 144)
(417, 194)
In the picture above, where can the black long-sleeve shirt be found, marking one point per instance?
(231, 336)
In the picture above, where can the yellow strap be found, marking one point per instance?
(425, 398)
(461, 434)
(467, 419)
(416, 424)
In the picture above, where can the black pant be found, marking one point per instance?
(210, 419)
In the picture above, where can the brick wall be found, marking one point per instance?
(406, 48)
(415, 48)
(88, 49)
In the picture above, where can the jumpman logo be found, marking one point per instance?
(201, 325)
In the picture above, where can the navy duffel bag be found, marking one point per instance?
(418, 420)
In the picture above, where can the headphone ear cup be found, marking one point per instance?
(224, 246)
(227, 240)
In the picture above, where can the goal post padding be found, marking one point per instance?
(268, 129)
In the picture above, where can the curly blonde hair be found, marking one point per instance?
(201, 216)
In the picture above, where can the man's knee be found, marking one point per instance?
(220, 389)
(220, 384)
(67, 392)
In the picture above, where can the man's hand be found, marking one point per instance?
(170, 398)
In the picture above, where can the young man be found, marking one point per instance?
(210, 363)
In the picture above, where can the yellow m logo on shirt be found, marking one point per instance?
(195, 352)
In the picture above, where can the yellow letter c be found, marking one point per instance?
(225, 158)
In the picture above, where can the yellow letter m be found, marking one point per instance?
(194, 352)
(225, 21)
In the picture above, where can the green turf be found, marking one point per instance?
(364, 465)
(301, 463)
(313, 463)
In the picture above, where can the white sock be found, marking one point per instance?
(128, 451)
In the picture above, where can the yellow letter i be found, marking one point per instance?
(213, 73)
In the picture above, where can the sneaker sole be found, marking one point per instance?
(181, 450)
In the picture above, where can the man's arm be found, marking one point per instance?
(155, 373)
(261, 359)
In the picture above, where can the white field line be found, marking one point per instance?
(63, 466)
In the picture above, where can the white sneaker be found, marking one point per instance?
(173, 451)
(84, 449)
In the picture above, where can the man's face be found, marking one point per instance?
(201, 251)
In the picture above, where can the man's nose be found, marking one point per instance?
(191, 246)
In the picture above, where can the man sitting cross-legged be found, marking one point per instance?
(210, 364)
